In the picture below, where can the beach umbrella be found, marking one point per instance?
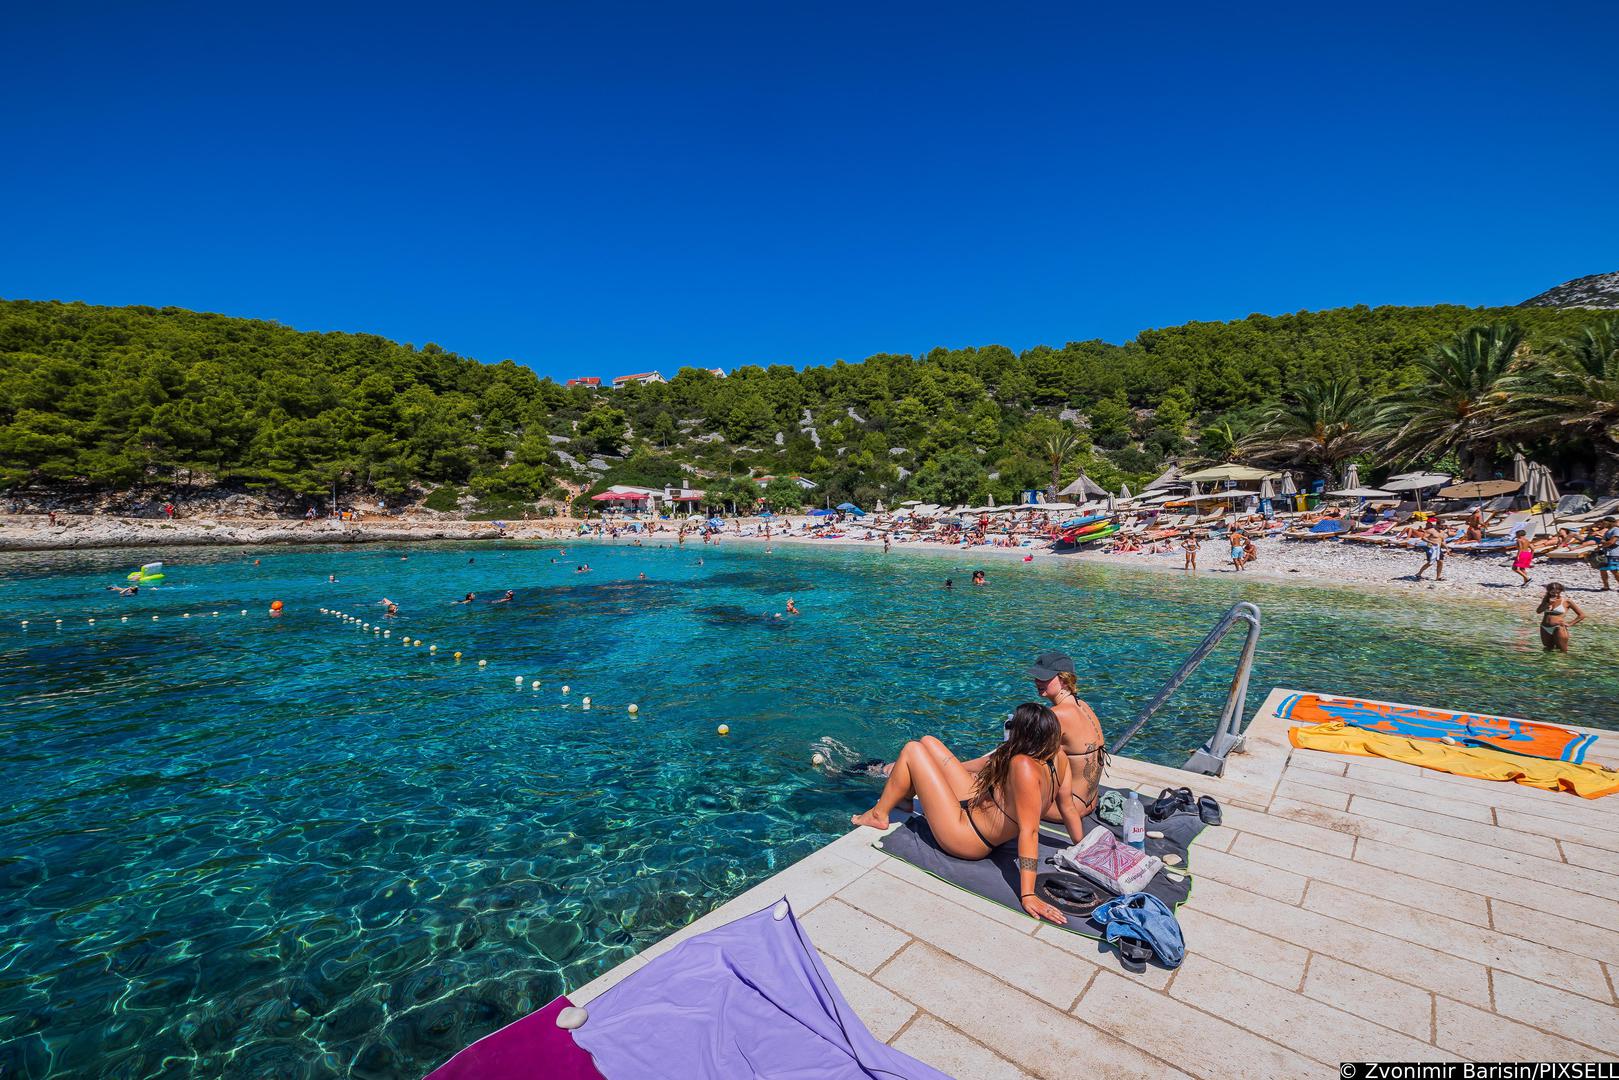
(1416, 482)
(1124, 493)
(1360, 493)
(851, 508)
(1352, 476)
(1170, 478)
(1542, 489)
(878, 509)
(1267, 495)
(1195, 491)
(1289, 485)
(1227, 493)
(1220, 473)
(1084, 487)
(1480, 489)
(1520, 468)
(912, 502)
(822, 513)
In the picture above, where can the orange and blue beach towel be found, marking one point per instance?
(1528, 737)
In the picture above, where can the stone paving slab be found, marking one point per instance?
(1350, 908)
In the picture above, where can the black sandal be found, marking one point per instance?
(1209, 810)
(1170, 801)
(1067, 894)
(1133, 954)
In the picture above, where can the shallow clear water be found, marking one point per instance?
(285, 847)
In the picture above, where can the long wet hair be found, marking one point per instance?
(1032, 730)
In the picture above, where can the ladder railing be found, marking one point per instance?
(1228, 733)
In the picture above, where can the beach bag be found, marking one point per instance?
(1109, 862)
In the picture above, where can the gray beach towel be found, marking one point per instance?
(996, 877)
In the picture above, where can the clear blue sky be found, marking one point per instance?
(600, 188)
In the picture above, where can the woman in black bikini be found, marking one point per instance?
(971, 816)
(1055, 680)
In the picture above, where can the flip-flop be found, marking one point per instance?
(1133, 954)
(1209, 810)
(1163, 805)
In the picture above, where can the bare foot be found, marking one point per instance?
(871, 819)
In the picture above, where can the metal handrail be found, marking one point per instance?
(1228, 733)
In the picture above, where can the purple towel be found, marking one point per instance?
(532, 1048)
(750, 998)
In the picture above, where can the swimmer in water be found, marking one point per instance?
(331, 579)
(255, 562)
(469, 598)
(124, 590)
(392, 609)
(949, 584)
(792, 608)
(978, 577)
(641, 576)
(504, 599)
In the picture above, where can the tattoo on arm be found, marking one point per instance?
(1026, 863)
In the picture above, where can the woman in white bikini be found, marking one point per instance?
(1555, 609)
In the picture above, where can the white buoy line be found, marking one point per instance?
(408, 642)
(90, 620)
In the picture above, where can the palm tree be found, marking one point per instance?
(1059, 447)
(1218, 444)
(1450, 408)
(1323, 424)
(1571, 392)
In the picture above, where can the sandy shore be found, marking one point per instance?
(1332, 564)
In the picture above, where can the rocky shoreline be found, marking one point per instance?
(73, 531)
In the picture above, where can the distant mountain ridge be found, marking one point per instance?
(1590, 291)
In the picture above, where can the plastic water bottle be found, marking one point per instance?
(1135, 823)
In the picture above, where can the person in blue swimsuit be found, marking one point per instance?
(1608, 552)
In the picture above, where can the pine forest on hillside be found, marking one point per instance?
(99, 398)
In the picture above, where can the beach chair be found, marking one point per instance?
(1371, 534)
(1509, 525)
(1325, 529)
(1606, 508)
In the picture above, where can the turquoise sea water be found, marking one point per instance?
(246, 846)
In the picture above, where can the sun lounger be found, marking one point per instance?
(1607, 508)
(1325, 529)
(1579, 551)
(1372, 533)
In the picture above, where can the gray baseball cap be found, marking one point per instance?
(1048, 664)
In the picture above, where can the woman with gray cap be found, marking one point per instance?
(1054, 680)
